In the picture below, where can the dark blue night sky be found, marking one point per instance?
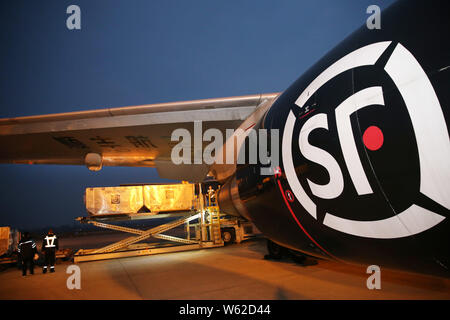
(141, 52)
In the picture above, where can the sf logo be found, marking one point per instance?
(430, 132)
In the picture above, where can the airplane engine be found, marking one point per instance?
(364, 153)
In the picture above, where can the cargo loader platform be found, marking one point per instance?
(130, 247)
(185, 203)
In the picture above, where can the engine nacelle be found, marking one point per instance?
(364, 160)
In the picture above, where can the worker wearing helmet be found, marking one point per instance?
(49, 247)
(28, 251)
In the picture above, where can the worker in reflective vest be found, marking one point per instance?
(27, 251)
(49, 247)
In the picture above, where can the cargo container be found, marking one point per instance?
(169, 197)
(4, 240)
(149, 199)
(9, 239)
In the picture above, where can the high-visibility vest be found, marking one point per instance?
(50, 241)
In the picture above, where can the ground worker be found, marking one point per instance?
(28, 252)
(49, 247)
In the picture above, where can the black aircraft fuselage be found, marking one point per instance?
(364, 166)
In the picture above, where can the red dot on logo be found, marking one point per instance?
(373, 138)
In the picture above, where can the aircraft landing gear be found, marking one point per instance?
(276, 252)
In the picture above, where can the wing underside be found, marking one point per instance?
(138, 136)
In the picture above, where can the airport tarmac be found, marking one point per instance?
(236, 271)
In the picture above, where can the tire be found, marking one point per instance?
(297, 257)
(276, 251)
(228, 235)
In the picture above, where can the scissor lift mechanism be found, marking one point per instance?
(209, 227)
(129, 247)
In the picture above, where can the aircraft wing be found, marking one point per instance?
(137, 136)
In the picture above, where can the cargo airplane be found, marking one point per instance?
(364, 157)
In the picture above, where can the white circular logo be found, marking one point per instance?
(430, 131)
